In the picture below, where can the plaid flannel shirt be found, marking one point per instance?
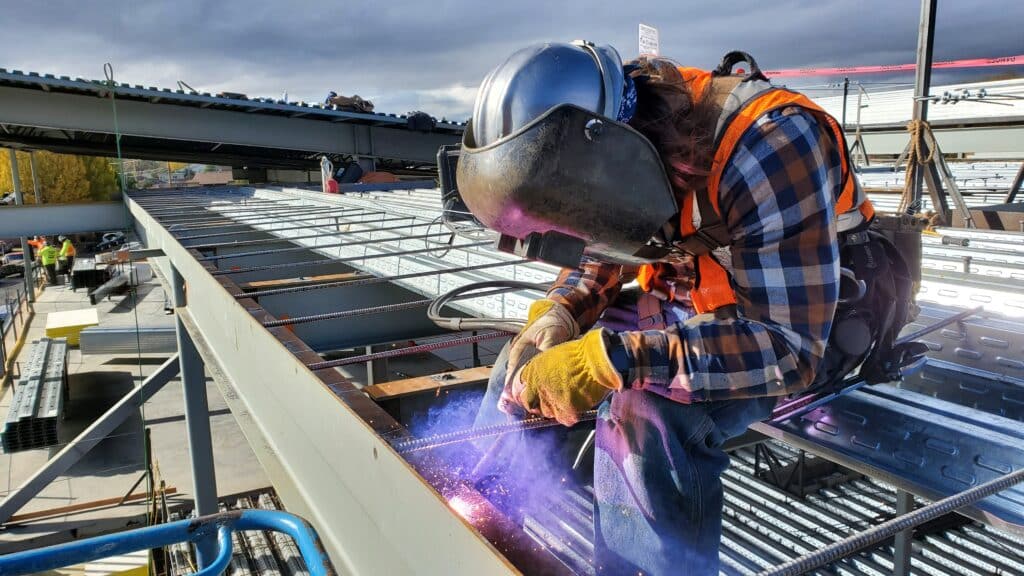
(777, 197)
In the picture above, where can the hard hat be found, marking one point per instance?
(546, 159)
(63, 238)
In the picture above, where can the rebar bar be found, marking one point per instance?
(300, 217)
(217, 257)
(277, 239)
(343, 260)
(888, 529)
(406, 446)
(370, 310)
(384, 309)
(303, 227)
(429, 347)
(210, 213)
(376, 280)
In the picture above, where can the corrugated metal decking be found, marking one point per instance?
(336, 307)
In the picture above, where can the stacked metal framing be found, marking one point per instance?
(290, 279)
(37, 405)
(128, 340)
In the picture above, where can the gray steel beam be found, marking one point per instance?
(88, 439)
(25, 251)
(978, 143)
(197, 419)
(86, 113)
(53, 219)
(374, 513)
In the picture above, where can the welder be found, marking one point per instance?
(732, 205)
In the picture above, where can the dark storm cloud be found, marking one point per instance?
(429, 55)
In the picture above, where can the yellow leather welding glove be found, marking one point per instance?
(548, 324)
(570, 378)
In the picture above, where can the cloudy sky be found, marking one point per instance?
(430, 55)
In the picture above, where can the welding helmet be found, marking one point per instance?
(548, 161)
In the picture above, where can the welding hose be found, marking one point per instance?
(850, 545)
(510, 325)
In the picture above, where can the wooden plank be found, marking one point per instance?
(83, 506)
(434, 382)
(302, 281)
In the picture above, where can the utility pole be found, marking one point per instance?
(846, 93)
(922, 83)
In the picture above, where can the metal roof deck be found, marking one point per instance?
(327, 446)
(192, 98)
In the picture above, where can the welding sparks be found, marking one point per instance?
(463, 507)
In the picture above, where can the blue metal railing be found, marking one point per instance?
(191, 530)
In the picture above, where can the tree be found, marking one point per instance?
(101, 176)
(63, 178)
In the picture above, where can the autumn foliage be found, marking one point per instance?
(63, 178)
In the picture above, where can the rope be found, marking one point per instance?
(919, 130)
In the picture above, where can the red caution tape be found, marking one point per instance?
(850, 70)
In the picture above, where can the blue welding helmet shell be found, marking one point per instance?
(544, 152)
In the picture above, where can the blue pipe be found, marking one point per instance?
(191, 530)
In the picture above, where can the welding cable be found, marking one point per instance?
(850, 545)
(376, 279)
(428, 442)
(429, 347)
(512, 325)
(305, 248)
(337, 260)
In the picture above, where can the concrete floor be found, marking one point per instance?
(109, 470)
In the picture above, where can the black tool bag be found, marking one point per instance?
(877, 289)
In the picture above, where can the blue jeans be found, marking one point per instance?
(657, 476)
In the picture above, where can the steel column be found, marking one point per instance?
(197, 419)
(89, 438)
(923, 81)
(376, 370)
(26, 254)
(904, 541)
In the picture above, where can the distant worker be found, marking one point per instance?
(67, 253)
(48, 256)
(728, 200)
(35, 243)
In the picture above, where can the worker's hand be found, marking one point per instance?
(568, 379)
(547, 325)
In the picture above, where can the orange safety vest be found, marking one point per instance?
(67, 249)
(750, 99)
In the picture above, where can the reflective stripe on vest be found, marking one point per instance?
(713, 289)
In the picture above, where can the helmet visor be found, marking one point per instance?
(575, 172)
